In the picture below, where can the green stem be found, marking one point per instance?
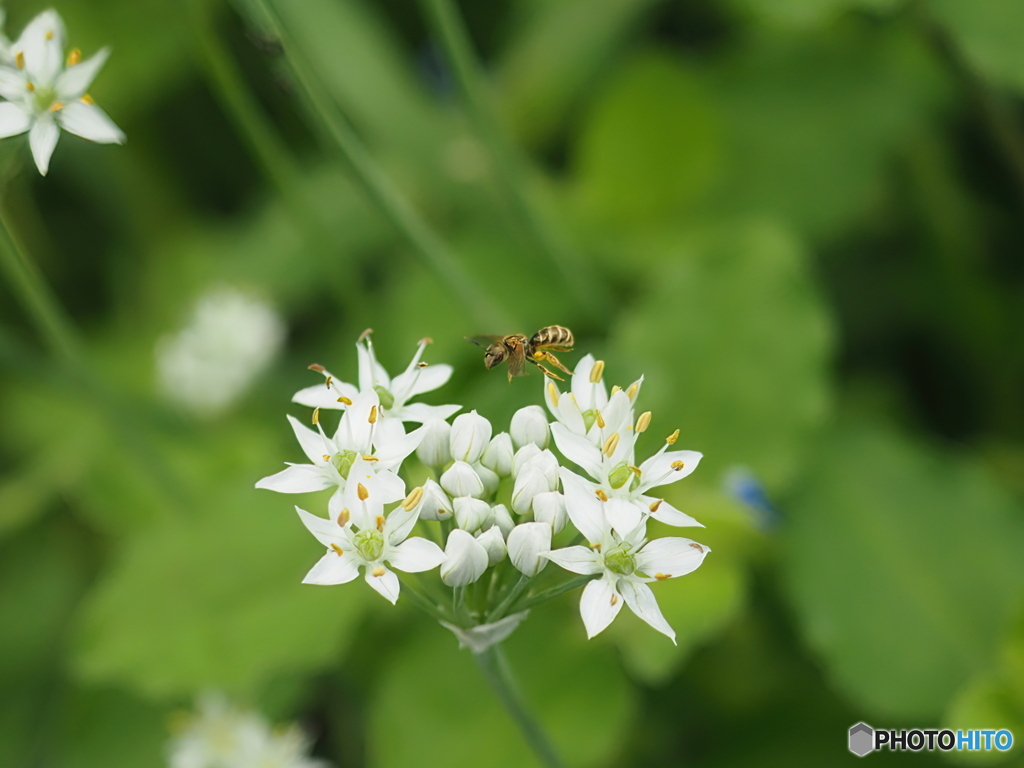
(379, 188)
(496, 670)
(510, 598)
(511, 164)
(547, 594)
(424, 602)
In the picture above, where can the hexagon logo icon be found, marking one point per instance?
(862, 739)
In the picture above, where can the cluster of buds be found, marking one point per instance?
(493, 509)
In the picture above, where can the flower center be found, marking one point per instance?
(344, 461)
(621, 475)
(370, 544)
(44, 98)
(387, 400)
(589, 417)
(619, 560)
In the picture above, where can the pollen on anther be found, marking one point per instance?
(380, 523)
(601, 494)
(597, 372)
(327, 457)
(328, 381)
(643, 422)
(610, 444)
(57, 106)
(364, 334)
(413, 498)
(49, 35)
(379, 571)
(30, 87)
(677, 465)
(316, 416)
(631, 392)
(316, 367)
(343, 517)
(616, 388)
(426, 340)
(19, 60)
(87, 99)
(74, 57)
(422, 365)
(655, 504)
(337, 550)
(671, 439)
(696, 546)
(373, 414)
(344, 400)
(662, 576)
(361, 492)
(599, 419)
(552, 393)
(614, 600)
(370, 458)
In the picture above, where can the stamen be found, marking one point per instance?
(379, 571)
(87, 99)
(380, 523)
(633, 389)
(345, 400)
(614, 600)
(616, 388)
(643, 422)
(662, 576)
(361, 492)
(370, 458)
(57, 106)
(74, 57)
(552, 393)
(597, 372)
(315, 367)
(327, 457)
(337, 550)
(696, 546)
(19, 60)
(343, 517)
(49, 35)
(373, 414)
(422, 365)
(30, 87)
(601, 494)
(610, 445)
(596, 547)
(414, 498)
(671, 439)
(599, 419)
(677, 465)
(316, 416)
(655, 504)
(328, 381)
(364, 334)
(426, 340)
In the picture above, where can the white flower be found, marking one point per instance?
(430, 502)
(527, 545)
(625, 565)
(466, 559)
(364, 449)
(529, 425)
(469, 437)
(229, 340)
(394, 394)
(498, 455)
(549, 508)
(490, 479)
(493, 541)
(461, 480)
(45, 92)
(587, 410)
(433, 450)
(372, 548)
(472, 514)
(531, 481)
(502, 519)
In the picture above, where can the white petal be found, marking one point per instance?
(371, 373)
(13, 84)
(387, 583)
(466, 559)
(671, 556)
(415, 555)
(583, 507)
(527, 545)
(389, 486)
(622, 515)
(578, 450)
(13, 120)
(297, 478)
(666, 513)
(42, 138)
(420, 380)
(90, 122)
(333, 568)
(599, 605)
(588, 394)
(322, 396)
(576, 559)
(313, 443)
(393, 445)
(667, 467)
(355, 429)
(641, 601)
(42, 42)
(327, 532)
(399, 525)
(74, 81)
(481, 637)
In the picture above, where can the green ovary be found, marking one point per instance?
(387, 400)
(620, 475)
(620, 561)
(44, 98)
(344, 461)
(370, 544)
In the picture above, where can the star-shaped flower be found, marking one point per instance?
(46, 92)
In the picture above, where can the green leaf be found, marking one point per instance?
(735, 343)
(903, 565)
(989, 33)
(441, 702)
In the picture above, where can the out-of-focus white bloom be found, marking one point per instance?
(470, 434)
(493, 541)
(481, 637)
(529, 425)
(460, 480)
(498, 455)
(371, 548)
(46, 92)
(466, 559)
(218, 735)
(626, 563)
(472, 514)
(433, 450)
(550, 508)
(394, 394)
(527, 545)
(230, 338)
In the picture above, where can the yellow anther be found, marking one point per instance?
(422, 365)
(316, 416)
(370, 458)
(328, 381)
(677, 465)
(315, 367)
(655, 504)
(19, 60)
(597, 372)
(599, 419)
(601, 495)
(671, 439)
(552, 393)
(327, 457)
(616, 388)
(344, 400)
(49, 35)
(662, 576)
(596, 547)
(87, 99)
(379, 571)
(696, 546)
(361, 492)
(633, 389)
(610, 445)
(635, 471)
(643, 422)
(30, 87)
(337, 550)
(373, 414)
(614, 600)
(343, 517)
(575, 402)
(74, 57)
(380, 523)
(413, 499)
(57, 106)
(364, 334)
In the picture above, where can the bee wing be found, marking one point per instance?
(516, 359)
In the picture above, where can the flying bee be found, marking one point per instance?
(519, 349)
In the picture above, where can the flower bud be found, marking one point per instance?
(526, 547)
(472, 514)
(460, 480)
(490, 480)
(530, 482)
(498, 455)
(523, 456)
(470, 434)
(492, 541)
(466, 559)
(433, 448)
(530, 425)
(434, 504)
(503, 519)
(550, 508)
(547, 463)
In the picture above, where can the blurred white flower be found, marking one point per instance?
(394, 394)
(46, 92)
(230, 338)
(218, 735)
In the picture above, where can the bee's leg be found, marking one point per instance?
(547, 372)
(555, 361)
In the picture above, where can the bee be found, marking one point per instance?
(519, 349)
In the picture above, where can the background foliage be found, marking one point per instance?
(799, 218)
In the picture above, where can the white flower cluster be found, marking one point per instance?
(498, 504)
(44, 90)
(219, 736)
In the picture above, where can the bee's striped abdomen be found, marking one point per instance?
(552, 336)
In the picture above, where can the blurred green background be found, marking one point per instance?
(800, 219)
